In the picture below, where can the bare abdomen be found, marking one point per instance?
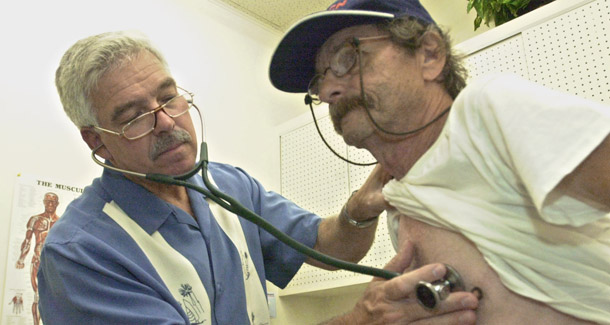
(498, 305)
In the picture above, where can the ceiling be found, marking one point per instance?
(278, 14)
(281, 14)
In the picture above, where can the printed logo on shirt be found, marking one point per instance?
(245, 266)
(191, 305)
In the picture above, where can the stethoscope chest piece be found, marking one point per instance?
(429, 295)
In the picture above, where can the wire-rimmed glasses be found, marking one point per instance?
(145, 123)
(340, 63)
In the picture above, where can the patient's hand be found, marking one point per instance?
(368, 201)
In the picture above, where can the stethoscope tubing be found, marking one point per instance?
(231, 204)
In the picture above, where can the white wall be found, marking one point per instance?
(212, 51)
(451, 15)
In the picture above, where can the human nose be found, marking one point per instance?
(332, 88)
(163, 121)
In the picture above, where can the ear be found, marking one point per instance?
(433, 54)
(94, 140)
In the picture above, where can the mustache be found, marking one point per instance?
(345, 105)
(168, 140)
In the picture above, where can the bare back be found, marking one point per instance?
(498, 304)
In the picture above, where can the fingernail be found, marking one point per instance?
(438, 271)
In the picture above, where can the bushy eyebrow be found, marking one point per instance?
(167, 83)
(119, 110)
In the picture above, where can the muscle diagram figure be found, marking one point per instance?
(38, 225)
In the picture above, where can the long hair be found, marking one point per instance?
(408, 32)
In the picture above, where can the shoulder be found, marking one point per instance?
(494, 86)
(81, 216)
(86, 236)
(507, 99)
(229, 176)
(227, 170)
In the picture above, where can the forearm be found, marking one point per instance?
(351, 240)
(590, 181)
(344, 240)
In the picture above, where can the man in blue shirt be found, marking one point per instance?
(134, 251)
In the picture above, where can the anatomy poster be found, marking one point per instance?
(38, 202)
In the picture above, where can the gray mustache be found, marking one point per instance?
(341, 108)
(169, 140)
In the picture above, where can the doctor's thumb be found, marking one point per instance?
(403, 258)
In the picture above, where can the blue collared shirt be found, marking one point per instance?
(92, 272)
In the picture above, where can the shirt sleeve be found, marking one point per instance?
(547, 134)
(78, 286)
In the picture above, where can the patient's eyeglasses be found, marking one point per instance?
(340, 64)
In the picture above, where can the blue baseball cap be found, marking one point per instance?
(293, 62)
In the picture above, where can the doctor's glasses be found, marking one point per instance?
(145, 123)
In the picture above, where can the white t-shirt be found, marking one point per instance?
(491, 176)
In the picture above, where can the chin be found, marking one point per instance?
(354, 136)
(353, 141)
(181, 168)
(355, 129)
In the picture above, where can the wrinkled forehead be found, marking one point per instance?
(339, 39)
(126, 81)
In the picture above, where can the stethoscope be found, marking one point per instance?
(436, 291)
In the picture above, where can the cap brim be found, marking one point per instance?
(293, 62)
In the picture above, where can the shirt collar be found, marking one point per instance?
(146, 209)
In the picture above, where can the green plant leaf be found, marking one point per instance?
(477, 22)
(498, 11)
(470, 5)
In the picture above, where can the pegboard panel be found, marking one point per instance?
(311, 176)
(570, 53)
(311, 278)
(505, 56)
(320, 182)
(358, 174)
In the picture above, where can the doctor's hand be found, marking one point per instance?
(393, 301)
(368, 201)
